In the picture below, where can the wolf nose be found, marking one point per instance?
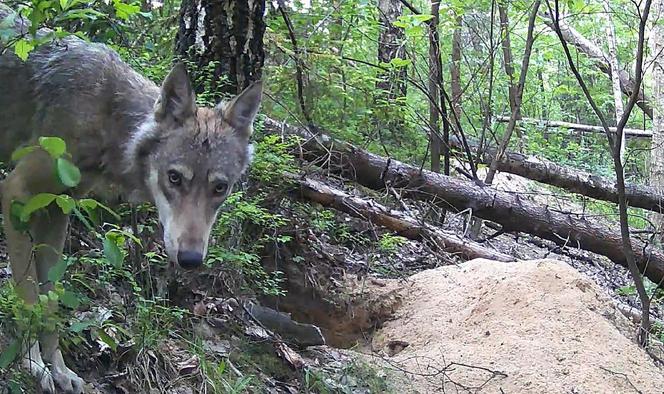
(189, 260)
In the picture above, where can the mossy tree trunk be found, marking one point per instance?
(223, 40)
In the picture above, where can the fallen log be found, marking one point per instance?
(572, 179)
(394, 220)
(512, 211)
(576, 126)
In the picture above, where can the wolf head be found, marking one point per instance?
(191, 158)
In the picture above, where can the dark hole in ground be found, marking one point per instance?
(345, 316)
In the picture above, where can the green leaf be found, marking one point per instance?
(10, 353)
(112, 252)
(398, 62)
(58, 270)
(15, 387)
(88, 203)
(107, 339)
(124, 11)
(89, 206)
(423, 17)
(37, 202)
(22, 48)
(80, 326)
(19, 153)
(53, 296)
(63, 4)
(66, 203)
(15, 216)
(68, 173)
(55, 146)
(70, 299)
(83, 219)
(400, 24)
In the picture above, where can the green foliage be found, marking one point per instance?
(273, 158)
(154, 321)
(241, 213)
(65, 17)
(389, 243)
(356, 376)
(221, 378)
(655, 293)
(49, 313)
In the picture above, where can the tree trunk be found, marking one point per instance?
(455, 67)
(391, 46)
(516, 111)
(435, 79)
(657, 143)
(598, 56)
(391, 84)
(615, 71)
(224, 41)
(507, 52)
(400, 223)
(513, 212)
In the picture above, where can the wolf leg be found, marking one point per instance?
(31, 264)
(49, 229)
(24, 273)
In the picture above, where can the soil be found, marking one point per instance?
(535, 326)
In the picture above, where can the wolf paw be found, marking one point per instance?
(41, 373)
(68, 381)
(65, 378)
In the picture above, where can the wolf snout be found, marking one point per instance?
(189, 259)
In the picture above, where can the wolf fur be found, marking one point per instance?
(153, 142)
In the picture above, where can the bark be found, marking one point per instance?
(393, 83)
(513, 212)
(507, 53)
(508, 63)
(224, 37)
(434, 90)
(391, 46)
(397, 221)
(455, 67)
(577, 126)
(600, 59)
(572, 179)
(656, 167)
(615, 71)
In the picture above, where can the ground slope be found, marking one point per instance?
(542, 324)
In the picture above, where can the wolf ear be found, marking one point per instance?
(242, 110)
(177, 98)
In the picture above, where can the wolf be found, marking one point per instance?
(121, 129)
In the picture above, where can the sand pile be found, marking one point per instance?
(526, 327)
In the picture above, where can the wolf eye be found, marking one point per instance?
(220, 188)
(174, 177)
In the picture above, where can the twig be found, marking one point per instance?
(622, 375)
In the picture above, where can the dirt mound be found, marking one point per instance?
(526, 327)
